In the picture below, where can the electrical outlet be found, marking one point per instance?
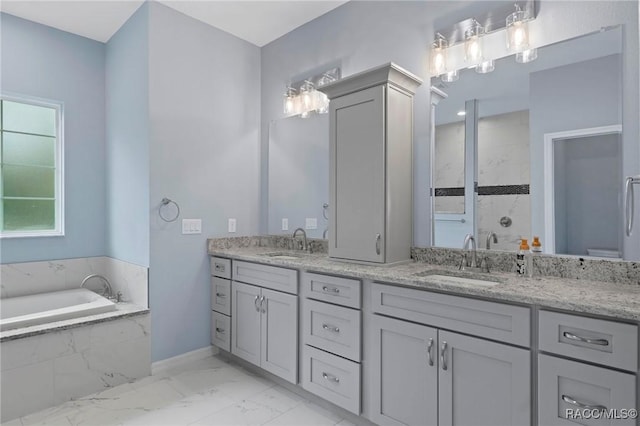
(285, 224)
(232, 224)
(192, 226)
(311, 223)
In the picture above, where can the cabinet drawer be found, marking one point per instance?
(604, 342)
(272, 277)
(563, 385)
(332, 328)
(221, 295)
(341, 291)
(333, 378)
(497, 321)
(221, 267)
(221, 331)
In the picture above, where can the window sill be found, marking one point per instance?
(31, 234)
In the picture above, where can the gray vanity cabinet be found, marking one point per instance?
(370, 179)
(435, 377)
(264, 326)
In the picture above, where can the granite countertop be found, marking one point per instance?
(123, 310)
(621, 301)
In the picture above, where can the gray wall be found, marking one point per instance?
(47, 63)
(204, 99)
(127, 136)
(570, 97)
(360, 35)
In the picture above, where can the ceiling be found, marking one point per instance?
(258, 21)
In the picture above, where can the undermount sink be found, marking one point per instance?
(459, 278)
(284, 255)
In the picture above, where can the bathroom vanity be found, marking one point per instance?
(419, 343)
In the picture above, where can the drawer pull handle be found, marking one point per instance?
(573, 401)
(255, 303)
(429, 348)
(599, 342)
(331, 328)
(330, 378)
(219, 267)
(220, 330)
(378, 236)
(443, 352)
(330, 289)
(262, 305)
(221, 295)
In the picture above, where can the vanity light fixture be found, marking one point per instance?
(473, 43)
(303, 98)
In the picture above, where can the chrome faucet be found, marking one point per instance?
(495, 239)
(108, 292)
(304, 237)
(485, 261)
(474, 257)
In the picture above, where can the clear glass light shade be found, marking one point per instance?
(289, 101)
(307, 96)
(527, 56)
(450, 76)
(517, 31)
(485, 67)
(473, 44)
(439, 56)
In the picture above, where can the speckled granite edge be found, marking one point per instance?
(614, 271)
(123, 311)
(280, 242)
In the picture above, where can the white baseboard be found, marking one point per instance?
(196, 355)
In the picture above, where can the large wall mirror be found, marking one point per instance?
(534, 149)
(299, 175)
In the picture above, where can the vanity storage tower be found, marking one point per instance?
(371, 165)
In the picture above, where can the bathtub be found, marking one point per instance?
(42, 308)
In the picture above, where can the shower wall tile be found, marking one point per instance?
(492, 208)
(44, 370)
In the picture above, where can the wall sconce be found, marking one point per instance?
(307, 99)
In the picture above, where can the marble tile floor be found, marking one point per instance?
(205, 392)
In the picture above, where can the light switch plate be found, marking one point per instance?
(285, 224)
(192, 226)
(232, 225)
(311, 223)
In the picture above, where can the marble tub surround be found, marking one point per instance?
(20, 279)
(588, 296)
(43, 370)
(276, 242)
(571, 267)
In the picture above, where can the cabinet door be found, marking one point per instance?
(357, 176)
(279, 354)
(482, 383)
(405, 387)
(245, 322)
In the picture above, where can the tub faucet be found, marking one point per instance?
(304, 245)
(469, 240)
(108, 290)
(489, 237)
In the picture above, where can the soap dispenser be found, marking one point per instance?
(523, 259)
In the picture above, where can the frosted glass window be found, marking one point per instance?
(30, 168)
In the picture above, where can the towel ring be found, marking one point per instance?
(165, 202)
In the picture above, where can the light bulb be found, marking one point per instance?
(517, 31)
(289, 101)
(439, 56)
(473, 43)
